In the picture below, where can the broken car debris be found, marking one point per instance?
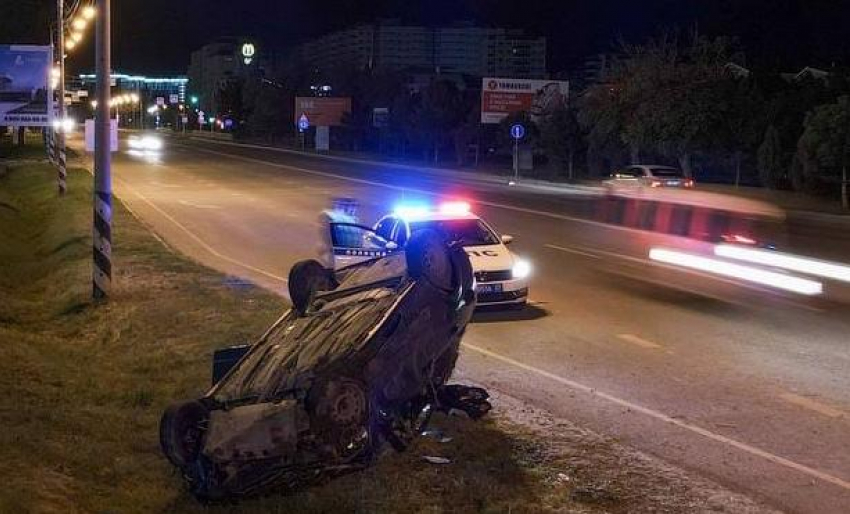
(361, 359)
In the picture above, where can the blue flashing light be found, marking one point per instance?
(411, 211)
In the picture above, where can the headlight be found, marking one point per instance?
(151, 143)
(521, 269)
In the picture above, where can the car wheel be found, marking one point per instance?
(306, 278)
(339, 414)
(181, 431)
(428, 258)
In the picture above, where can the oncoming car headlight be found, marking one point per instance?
(152, 143)
(521, 269)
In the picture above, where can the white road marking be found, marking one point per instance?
(573, 250)
(198, 240)
(198, 205)
(812, 405)
(638, 341)
(752, 450)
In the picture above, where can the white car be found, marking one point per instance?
(648, 175)
(501, 276)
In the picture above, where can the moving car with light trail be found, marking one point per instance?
(361, 359)
(501, 276)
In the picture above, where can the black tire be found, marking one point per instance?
(340, 414)
(181, 432)
(428, 258)
(306, 278)
(463, 274)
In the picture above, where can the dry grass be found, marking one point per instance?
(84, 384)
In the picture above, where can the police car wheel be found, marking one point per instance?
(306, 278)
(428, 257)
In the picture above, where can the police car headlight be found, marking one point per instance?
(521, 269)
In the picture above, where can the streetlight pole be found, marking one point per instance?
(60, 133)
(102, 230)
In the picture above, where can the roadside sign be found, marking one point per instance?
(323, 138)
(173, 99)
(113, 135)
(380, 117)
(303, 123)
(160, 100)
(517, 131)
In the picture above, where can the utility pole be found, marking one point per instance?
(60, 133)
(102, 242)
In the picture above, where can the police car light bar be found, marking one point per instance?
(458, 208)
(407, 211)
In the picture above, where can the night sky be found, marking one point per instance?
(156, 36)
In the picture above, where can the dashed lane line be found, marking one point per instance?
(744, 447)
(812, 405)
(573, 250)
(638, 341)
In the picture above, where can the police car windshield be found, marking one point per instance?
(470, 232)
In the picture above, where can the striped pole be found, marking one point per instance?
(102, 251)
(102, 241)
(60, 132)
(63, 172)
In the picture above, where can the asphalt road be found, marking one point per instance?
(735, 383)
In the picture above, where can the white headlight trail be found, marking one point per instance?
(816, 267)
(746, 273)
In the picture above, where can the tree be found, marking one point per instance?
(824, 147)
(437, 113)
(561, 137)
(661, 97)
(771, 161)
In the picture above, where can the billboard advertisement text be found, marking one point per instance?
(503, 97)
(25, 98)
(322, 111)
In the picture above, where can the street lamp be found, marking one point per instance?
(79, 24)
(88, 12)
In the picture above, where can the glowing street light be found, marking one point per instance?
(77, 36)
(134, 98)
(94, 104)
(70, 44)
(88, 12)
(79, 24)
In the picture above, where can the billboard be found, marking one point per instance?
(322, 111)
(25, 97)
(502, 97)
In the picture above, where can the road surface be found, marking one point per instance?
(748, 388)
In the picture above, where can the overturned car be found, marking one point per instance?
(360, 360)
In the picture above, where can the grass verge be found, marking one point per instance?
(84, 384)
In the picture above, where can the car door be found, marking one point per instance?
(354, 243)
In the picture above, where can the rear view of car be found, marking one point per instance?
(648, 176)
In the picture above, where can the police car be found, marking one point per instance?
(501, 276)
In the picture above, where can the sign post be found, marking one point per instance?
(517, 133)
(303, 125)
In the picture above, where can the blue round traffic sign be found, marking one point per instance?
(517, 131)
(303, 123)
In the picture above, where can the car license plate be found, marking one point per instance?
(489, 288)
(673, 183)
